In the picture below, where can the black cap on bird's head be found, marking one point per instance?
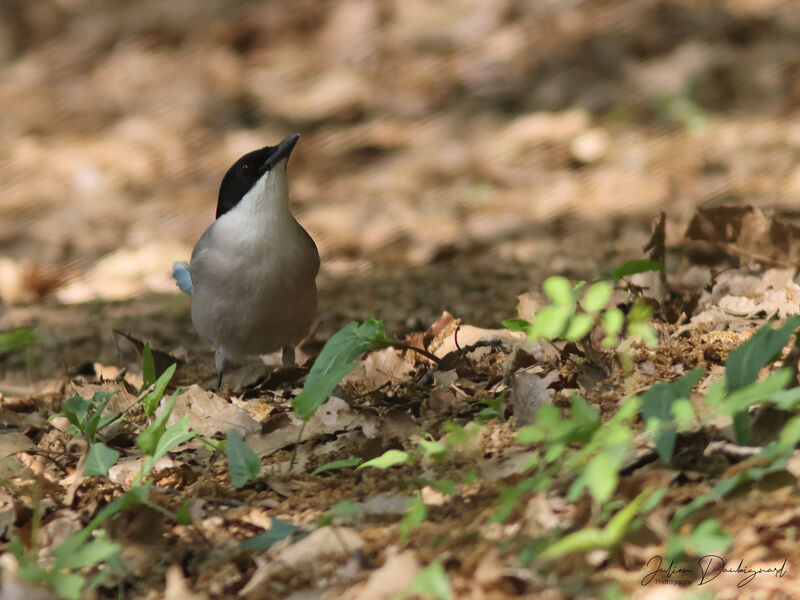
(246, 171)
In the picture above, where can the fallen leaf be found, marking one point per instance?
(391, 579)
(329, 543)
(529, 392)
(210, 414)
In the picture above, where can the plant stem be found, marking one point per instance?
(403, 346)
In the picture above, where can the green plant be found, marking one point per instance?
(158, 439)
(634, 267)
(64, 574)
(574, 310)
(435, 450)
(338, 358)
(243, 464)
(86, 416)
(153, 389)
(335, 465)
(431, 582)
(706, 538)
(278, 531)
(666, 408)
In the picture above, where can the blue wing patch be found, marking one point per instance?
(180, 272)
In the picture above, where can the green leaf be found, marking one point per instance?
(760, 391)
(99, 460)
(306, 403)
(601, 477)
(172, 437)
(15, 547)
(67, 585)
(745, 362)
(612, 322)
(646, 332)
(182, 515)
(148, 367)
(335, 361)
(579, 325)
(789, 436)
(708, 537)
(18, 338)
(432, 582)
(432, 449)
(243, 464)
(597, 296)
(85, 555)
(76, 409)
(415, 515)
(151, 400)
(657, 404)
(340, 510)
(346, 345)
(390, 458)
(592, 538)
(618, 525)
(516, 325)
(147, 440)
(584, 415)
(551, 322)
(445, 485)
(632, 267)
(280, 530)
(99, 401)
(558, 289)
(582, 540)
(338, 464)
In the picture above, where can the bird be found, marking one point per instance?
(252, 274)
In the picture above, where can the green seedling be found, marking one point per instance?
(431, 583)
(86, 416)
(280, 530)
(634, 267)
(706, 538)
(338, 359)
(574, 310)
(243, 464)
(338, 464)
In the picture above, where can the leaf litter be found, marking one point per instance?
(738, 271)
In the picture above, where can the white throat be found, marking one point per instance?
(263, 211)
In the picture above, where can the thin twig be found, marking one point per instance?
(294, 450)
(377, 389)
(403, 346)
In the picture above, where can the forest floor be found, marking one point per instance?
(453, 157)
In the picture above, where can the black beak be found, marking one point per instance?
(283, 150)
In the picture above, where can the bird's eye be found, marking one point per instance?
(244, 169)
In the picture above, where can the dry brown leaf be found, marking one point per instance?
(392, 578)
(748, 233)
(529, 393)
(378, 368)
(332, 417)
(210, 414)
(324, 544)
(176, 588)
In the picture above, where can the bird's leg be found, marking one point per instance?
(288, 356)
(220, 360)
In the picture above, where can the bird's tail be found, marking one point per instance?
(182, 276)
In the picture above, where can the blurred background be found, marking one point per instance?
(454, 152)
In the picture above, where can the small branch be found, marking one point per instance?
(403, 346)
